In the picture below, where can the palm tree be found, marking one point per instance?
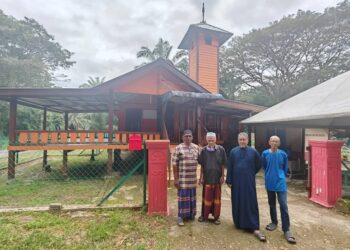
(163, 50)
(92, 82)
(95, 121)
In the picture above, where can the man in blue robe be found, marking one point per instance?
(244, 162)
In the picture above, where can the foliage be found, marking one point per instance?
(29, 55)
(92, 82)
(163, 50)
(289, 56)
(3, 142)
(91, 121)
(29, 118)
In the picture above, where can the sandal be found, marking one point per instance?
(200, 219)
(217, 222)
(289, 237)
(259, 236)
(180, 222)
(271, 227)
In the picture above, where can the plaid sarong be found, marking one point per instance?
(211, 201)
(186, 202)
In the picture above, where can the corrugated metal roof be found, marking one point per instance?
(325, 105)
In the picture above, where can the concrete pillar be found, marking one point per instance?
(157, 176)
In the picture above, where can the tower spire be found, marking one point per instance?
(203, 12)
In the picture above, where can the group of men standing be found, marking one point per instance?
(243, 164)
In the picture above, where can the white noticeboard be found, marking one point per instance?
(320, 134)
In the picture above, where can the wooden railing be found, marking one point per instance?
(41, 137)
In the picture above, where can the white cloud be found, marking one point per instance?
(105, 35)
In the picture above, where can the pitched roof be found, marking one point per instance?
(325, 105)
(160, 62)
(194, 29)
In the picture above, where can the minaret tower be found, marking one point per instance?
(203, 41)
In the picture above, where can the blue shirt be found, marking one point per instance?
(275, 165)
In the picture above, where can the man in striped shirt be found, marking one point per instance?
(184, 161)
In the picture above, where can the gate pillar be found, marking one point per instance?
(157, 176)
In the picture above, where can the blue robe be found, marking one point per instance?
(242, 167)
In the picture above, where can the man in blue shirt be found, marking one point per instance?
(275, 164)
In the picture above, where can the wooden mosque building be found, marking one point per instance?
(156, 101)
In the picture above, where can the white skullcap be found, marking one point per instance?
(211, 134)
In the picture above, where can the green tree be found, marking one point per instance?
(92, 82)
(29, 57)
(92, 121)
(290, 55)
(163, 50)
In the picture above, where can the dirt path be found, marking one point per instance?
(314, 227)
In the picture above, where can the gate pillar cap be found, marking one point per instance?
(150, 144)
(326, 143)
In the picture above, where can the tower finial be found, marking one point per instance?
(203, 12)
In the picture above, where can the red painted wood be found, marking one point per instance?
(34, 137)
(157, 176)
(44, 137)
(23, 137)
(82, 137)
(73, 137)
(63, 137)
(54, 137)
(326, 181)
(149, 125)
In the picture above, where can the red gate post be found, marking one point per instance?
(326, 181)
(157, 176)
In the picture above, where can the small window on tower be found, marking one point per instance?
(208, 39)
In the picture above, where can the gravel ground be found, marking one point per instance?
(314, 226)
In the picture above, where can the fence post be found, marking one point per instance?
(144, 175)
(157, 176)
(44, 129)
(12, 138)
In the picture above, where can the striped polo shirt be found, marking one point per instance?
(185, 159)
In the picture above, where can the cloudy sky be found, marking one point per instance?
(105, 35)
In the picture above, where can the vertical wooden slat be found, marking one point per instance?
(150, 137)
(34, 137)
(124, 138)
(82, 137)
(117, 137)
(144, 137)
(23, 137)
(100, 137)
(73, 137)
(44, 137)
(92, 137)
(157, 136)
(54, 137)
(63, 137)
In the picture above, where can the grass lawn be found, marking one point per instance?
(86, 183)
(117, 229)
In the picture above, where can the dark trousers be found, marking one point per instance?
(282, 200)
